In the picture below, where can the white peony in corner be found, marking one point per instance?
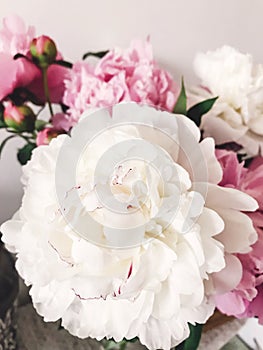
(123, 230)
(237, 116)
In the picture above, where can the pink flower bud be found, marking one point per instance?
(43, 51)
(46, 135)
(19, 118)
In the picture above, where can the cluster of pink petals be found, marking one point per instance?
(121, 75)
(246, 300)
(60, 124)
(15, 36)
(22, 73)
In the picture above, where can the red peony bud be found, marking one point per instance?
(19, 118)
(43, 51)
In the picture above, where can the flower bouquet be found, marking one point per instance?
(142, 208)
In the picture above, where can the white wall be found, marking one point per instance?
(178, 29)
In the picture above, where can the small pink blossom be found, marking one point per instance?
(46, 135)
(246, 300)
(121, 75)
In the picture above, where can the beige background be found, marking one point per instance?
(178, 29)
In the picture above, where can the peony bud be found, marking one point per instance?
(19, 118)
(43, 51)
(46, 135)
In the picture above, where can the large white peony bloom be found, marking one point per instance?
(237, 116)
(129, 234)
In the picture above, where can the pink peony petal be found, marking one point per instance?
(246, 299)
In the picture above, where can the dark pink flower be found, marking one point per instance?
(15, 38)
(15, 74)
(22, 73)
(56, 76)
(232, 169)
(246, 300)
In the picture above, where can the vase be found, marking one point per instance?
(218, 330)
(34, 333)
(8, 296)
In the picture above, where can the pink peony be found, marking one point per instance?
(246, 300)
(121, 75)
(15, 73)
(84, 89)
(22, 73)
(15, 37)
(139, 54)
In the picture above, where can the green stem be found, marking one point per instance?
(2, 145)
(17, 133)
(46, 90)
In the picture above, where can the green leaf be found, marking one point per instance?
(2, 145)
(180, 106)
(112, 345)
(63, 63)
(195, 113)
(24, 153)
(192, 342)
(98, 54)
(133, 340)
(40, 124)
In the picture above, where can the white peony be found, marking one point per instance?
(140, 251)
(237, 116)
